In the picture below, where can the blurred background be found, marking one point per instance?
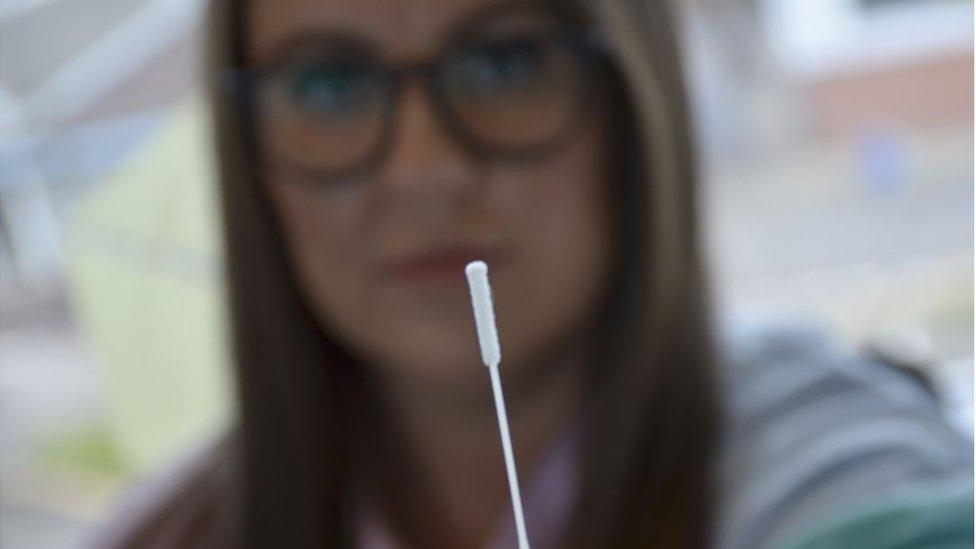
(837, 140)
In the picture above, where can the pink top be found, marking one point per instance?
(547, 500)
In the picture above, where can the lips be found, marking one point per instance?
(441, 263)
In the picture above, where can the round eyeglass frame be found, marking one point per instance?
(585, 47)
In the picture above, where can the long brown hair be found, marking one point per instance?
(304, 404)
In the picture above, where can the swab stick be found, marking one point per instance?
(491, 355)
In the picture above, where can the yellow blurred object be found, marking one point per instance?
(144, 275)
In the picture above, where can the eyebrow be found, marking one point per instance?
(356, 36)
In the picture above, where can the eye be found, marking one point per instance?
(500, 67)
(331, 89)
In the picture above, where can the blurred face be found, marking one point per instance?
(401, 140)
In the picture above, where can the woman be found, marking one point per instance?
(368, 151)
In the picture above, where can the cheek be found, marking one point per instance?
(327, 244)
(559, 215)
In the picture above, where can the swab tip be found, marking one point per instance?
(484, 314)
(476, 267)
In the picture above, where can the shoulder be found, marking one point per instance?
(177, 507)
(812, 426)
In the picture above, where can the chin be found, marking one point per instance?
(424, 348)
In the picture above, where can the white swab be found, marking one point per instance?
(491, 355)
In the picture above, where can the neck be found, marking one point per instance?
(458, 449)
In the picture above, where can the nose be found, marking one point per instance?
(423, 155)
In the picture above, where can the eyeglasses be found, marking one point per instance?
(509, 86)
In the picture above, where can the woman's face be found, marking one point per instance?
(380, 251)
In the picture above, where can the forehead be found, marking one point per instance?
(402, 26)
